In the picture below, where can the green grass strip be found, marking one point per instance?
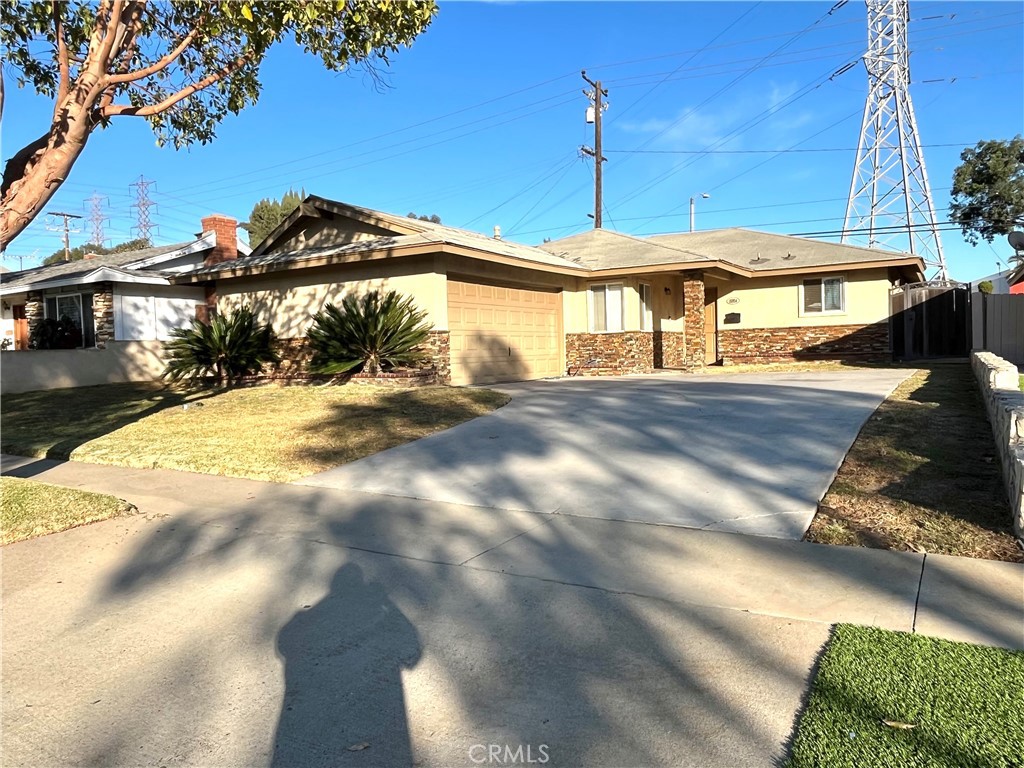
(965, 703)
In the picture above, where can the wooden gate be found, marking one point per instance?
(929, 320)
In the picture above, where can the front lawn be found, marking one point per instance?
(923, 475)
(265, 433)
(896, 700)
(30, 509)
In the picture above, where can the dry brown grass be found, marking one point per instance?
(31, 509)
(265, 433)
(923, 475)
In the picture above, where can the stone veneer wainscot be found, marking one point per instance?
(869, 343)
(609, 353)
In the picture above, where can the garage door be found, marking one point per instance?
(503, 334)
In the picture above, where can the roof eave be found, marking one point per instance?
(99, 275)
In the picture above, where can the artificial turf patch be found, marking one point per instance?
(965, 704)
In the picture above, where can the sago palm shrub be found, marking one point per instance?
(373, 333)
(227, 348)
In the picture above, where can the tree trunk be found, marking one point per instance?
(33, 175)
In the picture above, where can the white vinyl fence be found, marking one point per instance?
(998, 325)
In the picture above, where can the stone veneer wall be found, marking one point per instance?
(762, 345)
(103, 313)
(595, 354)
(693, 320)
(1000, 389)
(296, 355)
(670, 349)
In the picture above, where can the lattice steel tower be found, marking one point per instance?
(890, 201)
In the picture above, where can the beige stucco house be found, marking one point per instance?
(599, 302)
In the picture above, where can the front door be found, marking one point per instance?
(20, 327)
(710, 325)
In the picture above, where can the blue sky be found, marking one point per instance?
(484, 117)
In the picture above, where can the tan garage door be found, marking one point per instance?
(503, 334)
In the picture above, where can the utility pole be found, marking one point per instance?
(66, 228)
(597, 107)
(142, 205)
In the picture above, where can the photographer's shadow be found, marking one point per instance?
(343, 701)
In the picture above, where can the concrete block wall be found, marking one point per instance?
(1000, 387)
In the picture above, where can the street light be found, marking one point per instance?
(693, 200)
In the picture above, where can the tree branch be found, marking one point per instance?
(110, 34)
(155, 109)
(165, 61)
(63, 64)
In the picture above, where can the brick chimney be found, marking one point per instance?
(225, 228)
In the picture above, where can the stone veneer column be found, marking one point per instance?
(103, 313)
(35, 310)
(693, 319)
(438, 348)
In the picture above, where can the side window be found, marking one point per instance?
(646, 307)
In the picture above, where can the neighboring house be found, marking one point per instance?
(1015, 280)
(599, 302)
(998, 280)
(118, 297)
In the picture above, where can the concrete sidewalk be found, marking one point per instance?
(235, 622)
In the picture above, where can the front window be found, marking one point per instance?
(77, 307)
(826, 295)
(606, 307)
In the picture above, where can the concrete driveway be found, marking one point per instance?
(748, 453)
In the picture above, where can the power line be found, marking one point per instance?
(758, 151)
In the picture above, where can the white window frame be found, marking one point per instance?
(804, 312)
(591, 307)
(81, 312)
(646, 306)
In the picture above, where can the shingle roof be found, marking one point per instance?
(67, 270)
(603, 249)
(764, 251)
(431, 234)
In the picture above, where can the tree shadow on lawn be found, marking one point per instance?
(53, 423)
(393, 418)
(947, 428)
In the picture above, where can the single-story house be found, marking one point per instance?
(119, 297)
(598, 302)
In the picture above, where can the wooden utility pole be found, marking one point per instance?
(599, 159)
(66, 228)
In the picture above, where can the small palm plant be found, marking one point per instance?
(373, 333)
(227, 348)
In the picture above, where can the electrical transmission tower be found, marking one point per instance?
(142, 205)
(890, 201)
(96, 217)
